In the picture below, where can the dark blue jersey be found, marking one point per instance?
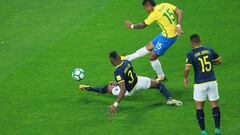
(124, 72)
(202, 59)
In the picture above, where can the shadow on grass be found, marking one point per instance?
(144, 108)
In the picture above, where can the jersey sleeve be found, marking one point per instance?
(150, 19)
(119, 76)
(172, 7)
(189, 60)
(215, 55)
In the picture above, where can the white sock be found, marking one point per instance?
(156, 65)
(139, 53)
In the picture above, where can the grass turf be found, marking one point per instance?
(42, 41)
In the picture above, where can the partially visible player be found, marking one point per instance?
(205, 85)
(128, 81)
(169, 18)
(114, 89)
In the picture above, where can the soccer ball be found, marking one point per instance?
(78, 74)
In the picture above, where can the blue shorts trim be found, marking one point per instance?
(161, 44)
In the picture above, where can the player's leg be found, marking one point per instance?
(170, 101)
(214, 97)
(200, 116)
(216, 116)
(161, 88)
(200, 94)
(102, 90)
(157, 67)
(161, 45)
(142, 83)
(141, 52)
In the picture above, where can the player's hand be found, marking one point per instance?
(128, 24)
(186, 82)
(112, 111)
(179, 30)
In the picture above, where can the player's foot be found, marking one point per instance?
(174, 102)
(204, 132)
(217, 131)
(84, 87)
(161, 79)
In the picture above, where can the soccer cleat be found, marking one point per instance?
(217, 131)
(174, 102)
(161, 79)
(84, 87)
(204, 132)
(123, 58)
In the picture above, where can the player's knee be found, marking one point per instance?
(199, 105)
(154, 84)
(153, 56)
(214, 104)
(149, 46)
(109, 89)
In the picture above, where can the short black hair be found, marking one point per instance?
(195, 38)
(152, 2)
(113, 55)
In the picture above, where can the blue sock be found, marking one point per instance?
(216, 116)
(200, 118)
(164, 91)
(102, 90)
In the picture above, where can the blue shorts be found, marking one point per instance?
(161, 44)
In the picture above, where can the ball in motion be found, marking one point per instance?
(78, 74)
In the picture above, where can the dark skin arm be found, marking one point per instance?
(217, 62)
(186, 74)
(179, 14)
(112, 108)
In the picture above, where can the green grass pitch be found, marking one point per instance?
(42, 41)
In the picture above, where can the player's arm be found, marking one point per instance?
(189, 62)
(217, 61)
(186, 74)
(150, 19)
(122, 92)
(179, 14)
(113, 108)
(216, 58)
(135, 26)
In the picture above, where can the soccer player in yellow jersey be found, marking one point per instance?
(169, 18)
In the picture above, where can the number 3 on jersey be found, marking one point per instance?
(206, 65)
(131, 76)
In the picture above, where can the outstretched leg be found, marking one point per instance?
(170, 101)
(141, 52)
(101, 90)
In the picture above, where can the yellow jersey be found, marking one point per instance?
(163, 14)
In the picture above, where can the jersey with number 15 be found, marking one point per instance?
(163, 14)
(202, 59)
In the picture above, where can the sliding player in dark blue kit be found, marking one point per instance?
(205, 85)
(129, 82)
